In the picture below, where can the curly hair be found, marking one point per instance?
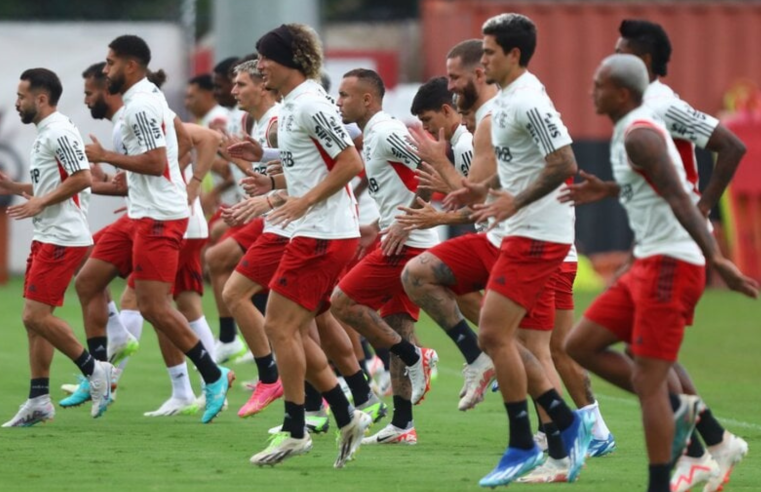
(307, 50)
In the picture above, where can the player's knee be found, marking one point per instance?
(414, 276)
(230, 296)
(33, 319)
(490, 340)
(340, 305)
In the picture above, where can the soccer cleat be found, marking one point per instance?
(685, 419)
(224, 352)
(478, 377)
(691, 471)
(420, 373)
(282, 446)
(263, 395)
(576, 440)
(514, 464)
(117, 352)
(375, 408)
(33, 411)
(601, 447)
(247, 358)
(392, 434)
(69, 388)
(550, 471)
(350, 437)
(729, 452)
(174, 406)
(375, 366)
(316, 423)
(384, 383)
(540, 438)
(79, 396)
(216, 394)
(100, 388)
(494, 387)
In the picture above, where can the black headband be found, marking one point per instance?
(277, 45)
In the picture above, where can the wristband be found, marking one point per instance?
(270, 155)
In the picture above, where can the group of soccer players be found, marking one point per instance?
(331, 271)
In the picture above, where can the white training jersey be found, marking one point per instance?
(57, 153)
(236, 126)
(462, 148)
(485, 109)
(525, 129)
(656, 229)
(310, 137)
(368, 209)
(260, 132)
(148, 124)
(390, 166)
(216, 118)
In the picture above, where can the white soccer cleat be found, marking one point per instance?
(69, 388)
(100, 388)
(281, 447)
(118, 350)
(392, 434)
(540, 438)
(33, 411)
(420, 373)
(247, 358)
(729, 452)
(383, 379)
(550, 472)
(174, 406)
(690, 471)
(478, 377)
(229, 351)
(375, 366)
(350, 437)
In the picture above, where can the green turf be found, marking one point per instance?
(126, 451)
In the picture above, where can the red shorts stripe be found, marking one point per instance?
(49, 270)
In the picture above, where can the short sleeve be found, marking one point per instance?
(686, 123)
(144, 120)
(541, 119)
(399, 147)
(69, 151)
(323, 123)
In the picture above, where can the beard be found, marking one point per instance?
(28, 115)
(99, 109)
(469, 96)
(115, 85)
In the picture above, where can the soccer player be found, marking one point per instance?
(158, 210)
(374, 285)
(649, 305)
(56, 202)
(319, 160)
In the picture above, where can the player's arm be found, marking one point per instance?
(729, 151)
(560, 165)
(482, 176)
(184, 140)
(434, 152)
(10, 187)
(647, 151)
(103, 184)
(205, 142)
(589, 190)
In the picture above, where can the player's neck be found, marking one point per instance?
(112, 110)
(128, 83)
(259, 111)
(295, 80)
(43, 113)
(485, 95)
(621, 112)
(362, 122)
(512, 76)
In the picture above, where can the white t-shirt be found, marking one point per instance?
(198, 228)
(57, 153)
(148, 124)
(462, 148)
(525, 129)
(310, 136)
(390, 168)
(368, 209)
(656, 229)
(236, 126)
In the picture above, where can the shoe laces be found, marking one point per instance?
(276, 439)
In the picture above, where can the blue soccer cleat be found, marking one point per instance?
(80, 395)
(514, 464)
(216, 393)
(601, 447)
(576, 439)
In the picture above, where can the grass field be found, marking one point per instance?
(126, 451)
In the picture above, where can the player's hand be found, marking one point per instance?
(424, 217)
(245, 211)
(591, 189)
(393, 239)
(427, 148)
(274, 168)
(97, 173)
(292, 210)
(94, 151)
(430, 179)
(367, 236)
(32, 207)
(734, 278)
(469, 194)
(120, 181)
(247, 149)
(227, 141)
(256, 184)
(5, 184)
(503, 207)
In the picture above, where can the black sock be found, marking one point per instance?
(98, 347)
(556, 408)
(466, 340)
(366, 348)
(405, 351)
(260, 303)
(39, 387)
(675, 401)
(539, 424)
(313, 400)
(294, 420)
(227, 330)
(360, 388)
(710, 429)
(86, 363)
(339, 405)
(520, 425)
(695, 449)
(384, 355)
(267, 368)
(402, 412)
(659, 478)
(204, 363)
(363, 367)
(555, 447)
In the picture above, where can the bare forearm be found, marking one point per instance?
(146, 163)
(70, 187)
(107, 188)
(727, 160)
(561, 165)
(694, 223)
(13, 188)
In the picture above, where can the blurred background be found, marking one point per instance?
(714, 66)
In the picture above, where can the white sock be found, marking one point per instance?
(181, 388)
(132, 321)
(202, 329)
(600, 430)
(115, 329)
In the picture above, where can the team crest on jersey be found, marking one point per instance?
(286, 124)
(501, 118)
(626, 193)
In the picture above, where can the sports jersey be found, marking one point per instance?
(310, 137)
(525, 129)
(368, 209)
(462, 148)
(216, 118)
(656, 229)
(390, 168)
(57, 153)
(198, 228)
(236, 126)
(485, 110)
(148, 125)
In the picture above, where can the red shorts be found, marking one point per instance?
(376, 282)
(562, 284)
(649, 306)
(246, 234)
(49, 269)
(96, 237)
(470, 258)
(114, 245)
(360, 254)
(558, 294)
(309, 270)
(524, 268)
(262, 259)
(189, 276)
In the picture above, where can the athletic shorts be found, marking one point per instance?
(49, 270)
(360, 254)
(309, 270)
(471, 259)
(650, 305)
(558, 294)
(110, 244)
(376, 282)
(189, 276)
(246, 234)
(262, 259)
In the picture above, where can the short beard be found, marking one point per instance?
(28, 115)
(469, 96)
(115, 86)
(99, 110)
